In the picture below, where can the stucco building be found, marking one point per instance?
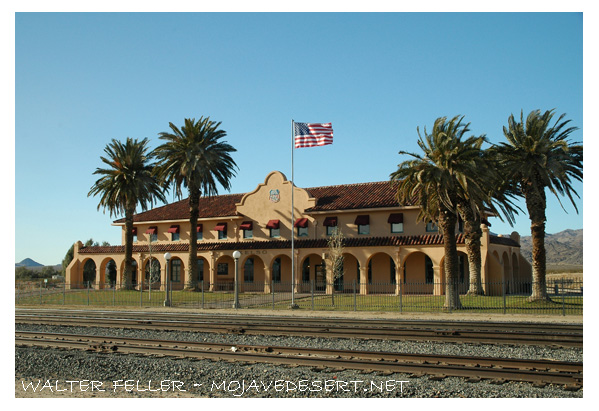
(385, 246)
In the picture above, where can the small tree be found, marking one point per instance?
(336, 244)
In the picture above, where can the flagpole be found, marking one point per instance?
(293, 305)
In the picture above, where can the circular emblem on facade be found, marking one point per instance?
(274, 196)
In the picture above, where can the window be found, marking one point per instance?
(176, 270)
(248, 229)
(222, 231)
(134, 234)
(396, 221)
(431, 227)
(397, 227)
(302, 227)
(174, 231)
(222, 269)
(153, 232)
(331, 224)
(276, 270)
(363, 223)
(248, 270)
(200, 231)
(273, 226)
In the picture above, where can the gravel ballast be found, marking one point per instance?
(70, 373)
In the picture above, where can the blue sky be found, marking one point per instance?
(84, 79)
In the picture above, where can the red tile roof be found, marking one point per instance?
(393, 241)
(216, 206)
(329, 198)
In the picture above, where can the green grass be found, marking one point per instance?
(340, 302)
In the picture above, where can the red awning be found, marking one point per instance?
(152, 230)
(362, 220)
(199, 228)
(301, 222)
(220, 227)
(395, 218)
(272, 224)
(330, 222)
(174, 229)
(134, 230)
(246, 225)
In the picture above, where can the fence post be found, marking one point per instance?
(400, 297)
(503, 290)
(355, 298)
(563, 299)
(312, 293)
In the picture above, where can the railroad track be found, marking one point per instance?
(540, 372)
(559, 335)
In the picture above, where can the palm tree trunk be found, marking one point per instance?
(472, 234)
(536, 204)
(128, 245)
(192, 262)
(447, 222)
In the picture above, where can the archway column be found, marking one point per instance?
(439, 285)
(363, 279)
(212, 271)
(98, 280)
(267, 279)
(398, 277)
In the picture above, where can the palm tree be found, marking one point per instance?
(195, 157)
(486, 197)
(538, 156)
(436, 181)
(128, 181)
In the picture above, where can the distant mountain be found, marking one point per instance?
(563, 248)
(28, 262)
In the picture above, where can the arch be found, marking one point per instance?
(313, 268)
(507, 272)
(351, 272)
(176, 273)
(203, 271)
(133, 280)
(418, 274)
(380, 267)
(108, 272)
(89, 273)
(517, 280)
(252, 275)
(280, 268)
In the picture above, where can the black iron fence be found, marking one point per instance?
(562, 296)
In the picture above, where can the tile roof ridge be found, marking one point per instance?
(350, 184)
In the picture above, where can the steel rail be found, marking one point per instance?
(260, 319)
(328, 328)
(534, 371)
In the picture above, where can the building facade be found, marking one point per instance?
(386, 248)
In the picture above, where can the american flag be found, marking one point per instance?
(312, 134)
